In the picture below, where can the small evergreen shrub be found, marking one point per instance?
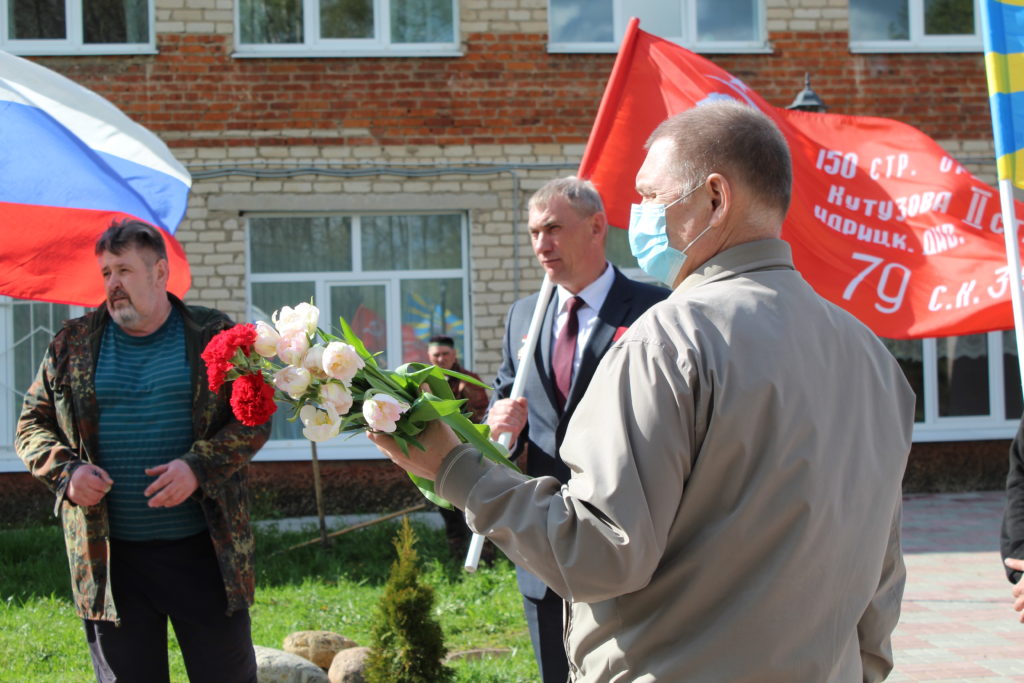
(407, 644)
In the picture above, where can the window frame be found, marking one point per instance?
(74, 44)
(343, 448)
(378, 46)
(621, 16)
(918, 41)
(9, 461)
(995, 425)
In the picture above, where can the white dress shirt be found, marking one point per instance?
(593, 296)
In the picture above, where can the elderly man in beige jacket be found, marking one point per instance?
(734, 507)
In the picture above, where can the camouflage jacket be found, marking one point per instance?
(57, 433)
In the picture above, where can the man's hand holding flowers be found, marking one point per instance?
(335, 385)
(437, 441)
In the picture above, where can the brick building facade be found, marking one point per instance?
(320, 167)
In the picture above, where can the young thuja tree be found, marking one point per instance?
(407, 643)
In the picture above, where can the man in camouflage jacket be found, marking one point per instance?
(58, 433)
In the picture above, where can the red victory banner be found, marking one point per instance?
(883, 221)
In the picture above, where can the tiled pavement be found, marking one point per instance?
(957, 623)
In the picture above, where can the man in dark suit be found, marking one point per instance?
(593, 305)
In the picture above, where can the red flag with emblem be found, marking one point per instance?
(883, 221)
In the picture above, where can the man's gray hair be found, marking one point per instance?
(580, 194)
(733, 139)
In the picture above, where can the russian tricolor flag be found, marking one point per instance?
(70, 164)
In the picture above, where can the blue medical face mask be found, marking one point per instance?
(648, 240)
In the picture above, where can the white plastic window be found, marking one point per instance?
(915, 26)
(26, 329)
(967, 387)
(396, 279)
(701, 25)
(59, 27)
(346, 27)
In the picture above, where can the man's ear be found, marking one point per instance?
(599, 224)
(162, 271)
(721, 192)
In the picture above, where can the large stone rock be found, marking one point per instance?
(318, 647)
(348, 666)
(278, 666)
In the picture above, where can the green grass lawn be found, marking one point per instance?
(309, 588)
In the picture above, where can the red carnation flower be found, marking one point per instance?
(221, 349)
(241, 336)
(215, 372)
(252, 400)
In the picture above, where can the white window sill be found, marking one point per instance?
(704, 48)
(53, 51)
(343, 447)
(296, 52)
(934, 433)
(910, 48)
(9, 462)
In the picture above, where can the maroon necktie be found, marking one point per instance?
(565, 351)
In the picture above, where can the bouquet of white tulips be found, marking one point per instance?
(336, 386)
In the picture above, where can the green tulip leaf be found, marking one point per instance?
(429, 407)
(356, 342)
(466, 378)
(426, 487)
(415, 372)
(402, 443)
(472, 434)
(383, 386)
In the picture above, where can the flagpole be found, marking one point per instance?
(996, 34)
(476, 544)
(1006, 200)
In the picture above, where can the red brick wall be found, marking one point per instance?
(506, 89)
(944, 94)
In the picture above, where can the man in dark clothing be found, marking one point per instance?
(150, 473)
(441, 352)
(1012, 544)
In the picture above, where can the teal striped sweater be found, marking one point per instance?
(145, 401)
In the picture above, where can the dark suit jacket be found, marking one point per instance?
(627, 300)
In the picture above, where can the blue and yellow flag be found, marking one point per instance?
(1003, 26)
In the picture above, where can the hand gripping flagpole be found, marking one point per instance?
(476, 545)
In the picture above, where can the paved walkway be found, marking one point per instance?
(958, 622)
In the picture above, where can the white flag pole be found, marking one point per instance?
(1013, 262)
(476, 545)
(996, 65)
